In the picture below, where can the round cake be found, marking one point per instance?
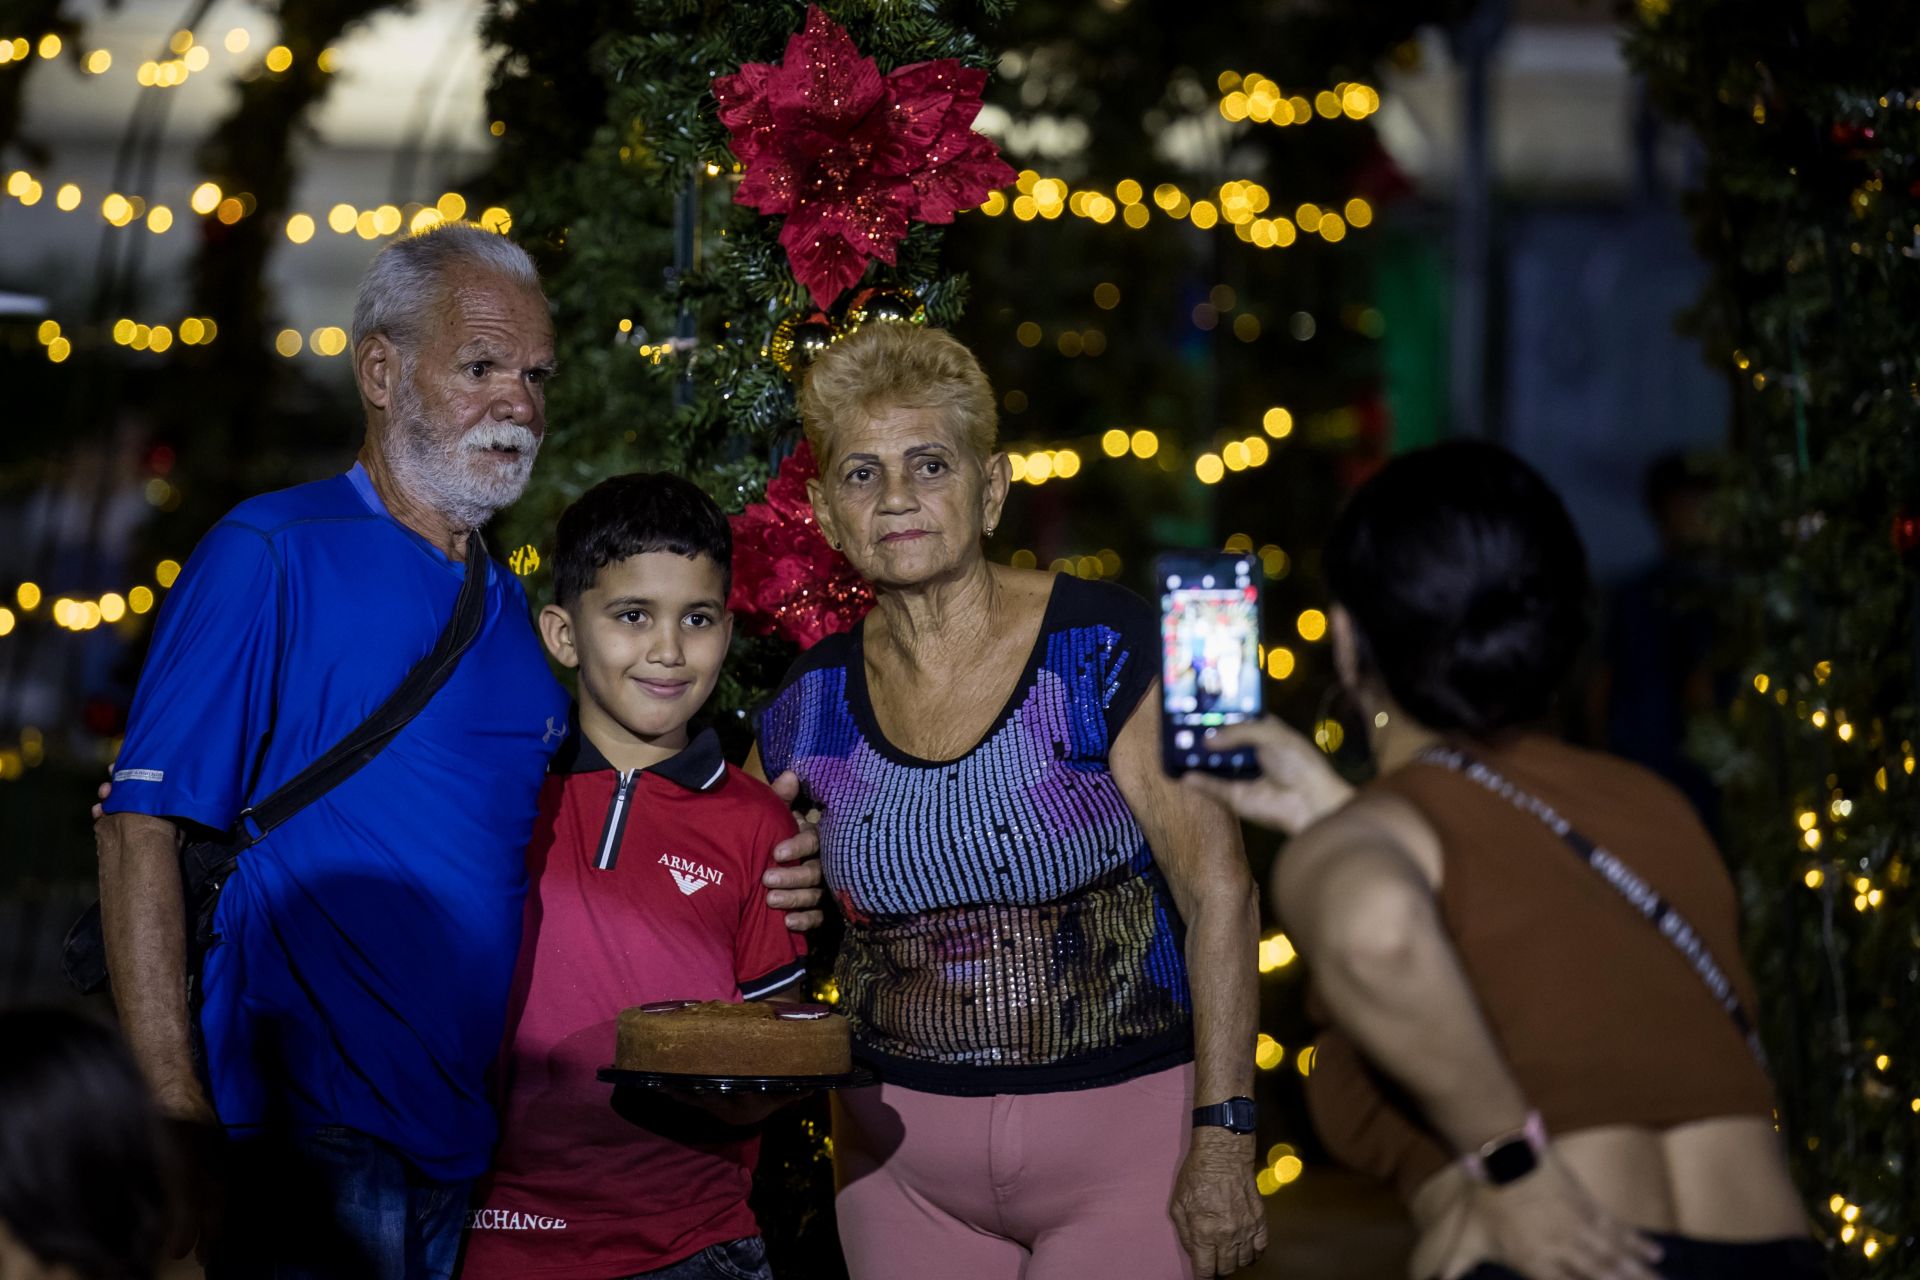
(714, 1038)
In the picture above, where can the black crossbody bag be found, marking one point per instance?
(1619, 877)
(205, 865)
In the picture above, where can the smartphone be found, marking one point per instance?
(1209, 657)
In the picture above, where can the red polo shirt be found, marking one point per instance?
(643, 886)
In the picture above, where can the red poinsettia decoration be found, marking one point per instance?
(786, 580)
(850, 157)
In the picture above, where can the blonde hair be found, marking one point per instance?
(890, 365)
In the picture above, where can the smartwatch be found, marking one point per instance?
(1235, 1115)
(1509, 1158)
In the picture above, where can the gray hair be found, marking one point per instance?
(403, 283)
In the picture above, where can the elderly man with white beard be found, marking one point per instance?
(355, 993)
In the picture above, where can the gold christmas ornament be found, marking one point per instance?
(797, 340)
(887, 305)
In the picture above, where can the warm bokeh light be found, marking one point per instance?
(1268, 1053)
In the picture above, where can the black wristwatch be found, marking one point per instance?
(1506, 1160)
(1235, 1115)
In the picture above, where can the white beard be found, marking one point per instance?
(452, 476)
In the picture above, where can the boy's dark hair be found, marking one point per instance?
(631, 515)
(81, 1178)
(1467, 582)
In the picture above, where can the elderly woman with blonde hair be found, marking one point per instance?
(1049, 944)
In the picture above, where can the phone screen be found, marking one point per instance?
(1210, 657)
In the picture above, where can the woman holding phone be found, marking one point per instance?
(1530, 951)
(1015, 871)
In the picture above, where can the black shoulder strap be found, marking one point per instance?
(1619, 877)
(371, 737)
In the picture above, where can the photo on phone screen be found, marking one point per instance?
(1210, 657)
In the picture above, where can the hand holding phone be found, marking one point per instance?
(1210, 659)
(1297, 786)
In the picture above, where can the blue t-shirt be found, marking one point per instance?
(366, 946)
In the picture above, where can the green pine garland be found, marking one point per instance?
(1809, 213)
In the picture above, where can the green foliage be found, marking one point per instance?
(610, 124)
(1809, 212)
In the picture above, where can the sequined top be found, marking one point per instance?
(1007, 929)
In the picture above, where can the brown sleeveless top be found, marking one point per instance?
(1600, 1018)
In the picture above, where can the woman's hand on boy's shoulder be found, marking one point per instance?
(794, 885)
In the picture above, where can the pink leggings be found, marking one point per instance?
(1039, 1186)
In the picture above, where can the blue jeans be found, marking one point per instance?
(742, 1259)
(334, 1204)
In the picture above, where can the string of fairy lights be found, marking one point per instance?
(1230, 453)
(1259, 99)
(1825, 828)
(1241, 205)
(1244, 206)
(1815, 829)
(75, 614)
(189, 57)
(209, 201)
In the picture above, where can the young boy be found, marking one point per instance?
(644, 885)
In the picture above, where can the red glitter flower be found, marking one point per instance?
(786, 580)
(851, 157)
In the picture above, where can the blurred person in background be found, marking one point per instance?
(1656, 653)
(1529, 952)
(82, 1195)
